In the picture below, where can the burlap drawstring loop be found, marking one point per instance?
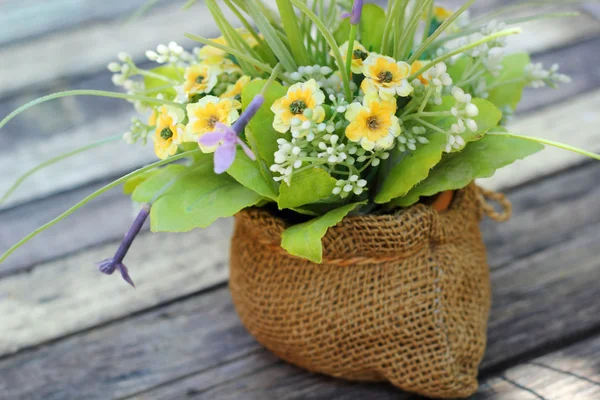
(486, 197)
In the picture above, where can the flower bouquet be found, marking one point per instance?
(345, 139)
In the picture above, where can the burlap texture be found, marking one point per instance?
(401, 298)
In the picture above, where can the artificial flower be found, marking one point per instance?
(359, 55)
(213, 54)
(442, 14)
(169, 131)
(356, 12)
(235, 91)
(204, 116)
(299, 98)
(386, 76)
(201, 78)
(373, 123)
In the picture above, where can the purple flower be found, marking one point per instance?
(356, 12)
(226, 138)
(109, 265)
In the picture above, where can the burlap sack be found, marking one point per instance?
(401, 298)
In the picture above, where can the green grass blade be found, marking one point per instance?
(292, 30)
(91, 197)
(52, 161)
(98, 93)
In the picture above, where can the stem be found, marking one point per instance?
(332, 43)
(426, 28)
(151, 74)
(428, 40)
(100, 93)
(350, 54)
(550, 143)
(92, 196)
(462, 49)
(271, 79)
(52, 161)
(237, 54)
(509, 82)
(292, 30)
(425, 100)
(407, 40)
(434, 127)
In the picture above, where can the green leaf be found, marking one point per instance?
(489, 116)
(261, 126)
(247, 172)
(412, 169)
(458, 69)
(198, 199)
(146, 191)
(509, 94)
(306, 187)
(304, 240)
(342, 33)
(163, 87)
(478, 160)
(130, 186)
(371, 27)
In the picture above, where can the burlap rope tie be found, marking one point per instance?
(485, 198)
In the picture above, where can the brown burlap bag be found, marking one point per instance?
(402, 298)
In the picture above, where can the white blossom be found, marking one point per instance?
(345, 187)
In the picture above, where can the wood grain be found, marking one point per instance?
(570, 373)
(529, 311)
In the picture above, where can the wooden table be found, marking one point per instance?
(68, 332)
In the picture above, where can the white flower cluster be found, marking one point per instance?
(309, 72)
(171, 53)
(138, 131)
(309, 128)
(343, 187)
(464, 111)
(437, 79)
(122, 70)
(409, 138)
(538, 77)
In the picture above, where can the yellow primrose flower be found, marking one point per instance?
(201, 78)
(359, 55)
(416, 66)
(204, 116)
(169, 131)
(386, 76)
(152, 118)
(373, 124)
(210, 52)
(235, 91)
(300, 97)
(442, 14)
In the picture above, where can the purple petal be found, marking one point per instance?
(125, 274)
(346, 15)
(224, 157)
(212, 138)
(107, 266)
(246, 149)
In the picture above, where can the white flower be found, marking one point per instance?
(538, 77)
(345, 187)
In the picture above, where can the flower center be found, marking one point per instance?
(212, 121)
(297, 107)
(166, 133)
(199, 79)
(359, 54)
(238, 97)
(373, 123)
(385, 77)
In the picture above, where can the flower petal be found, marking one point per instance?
(211, 138)
(246, 149)
(125, 274)
(224, 157)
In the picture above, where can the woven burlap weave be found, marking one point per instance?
(401, 298)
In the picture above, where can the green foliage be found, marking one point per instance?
(196, 199)
(478, 160)
(154, 181)
(508, 87)
(248, 173)
(304, 240)
(163, 86)
(412, 169)
(457, 69)
(130, 186)
(489, 116)
(371, 27)
(261, 126)
(307, 187)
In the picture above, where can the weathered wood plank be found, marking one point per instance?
(569, 373)
(529, 311)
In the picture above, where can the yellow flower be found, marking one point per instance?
(442, 14)
(201, 78)
(416, 66)
(234, 92)
(214, 54)
(204, 116)
(152, 118)
(359, 55)
(169, 131)
(386, 76)
(300, 97)
(373, 123)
